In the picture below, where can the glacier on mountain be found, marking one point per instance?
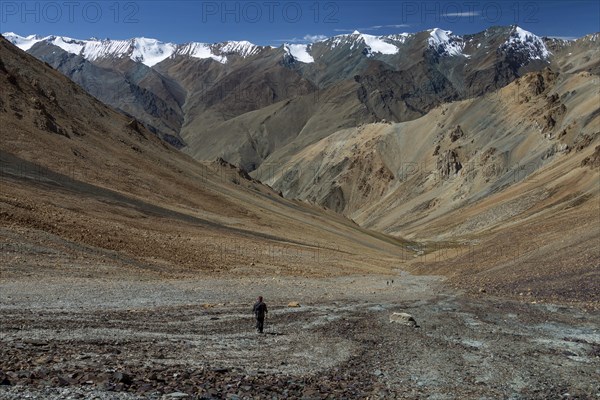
(299, 52)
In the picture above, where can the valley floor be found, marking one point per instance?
(110, 338)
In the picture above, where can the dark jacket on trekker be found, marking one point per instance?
(260, 310)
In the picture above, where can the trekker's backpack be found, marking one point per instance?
(260, 309)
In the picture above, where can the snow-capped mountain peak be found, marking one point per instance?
(199, 50)
(379, 44)
(144, 50)
(151, 51)
(445, 43)
(374, 44)
(241, 48)
(521, 39)
(22, 42)
(523, 46)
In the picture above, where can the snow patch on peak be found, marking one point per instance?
(146, 51)
(151, 51)
(299, 52)
(445, 42)
(400, 37)
(378, 45)
(242, 48)
(533, 44)
(219, 51)
(199, 50)
(521, 34)
(66, 43)
(22, 42)
(95, 49)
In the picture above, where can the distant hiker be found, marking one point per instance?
(260, 311)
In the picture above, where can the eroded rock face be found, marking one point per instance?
(448, 164)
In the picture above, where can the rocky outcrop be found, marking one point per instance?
(448, 164)
(592, 161)
(456, 133)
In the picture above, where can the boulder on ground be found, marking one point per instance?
(176, 395)
(403, 318)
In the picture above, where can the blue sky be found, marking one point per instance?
(275, 21)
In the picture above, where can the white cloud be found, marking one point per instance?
(314, 38)
(462, 14)
(290, 40)
(306, 39)
(397, 26)
(374, 28)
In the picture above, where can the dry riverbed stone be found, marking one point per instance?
(404, 319)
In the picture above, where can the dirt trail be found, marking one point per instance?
(66, 339)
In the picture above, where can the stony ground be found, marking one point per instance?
(108, 339)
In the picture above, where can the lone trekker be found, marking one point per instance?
(260, 311)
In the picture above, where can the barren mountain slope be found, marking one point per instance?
(131, 87)
(82, 183)
(461, 152)
(474, 176)
(578, 55)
